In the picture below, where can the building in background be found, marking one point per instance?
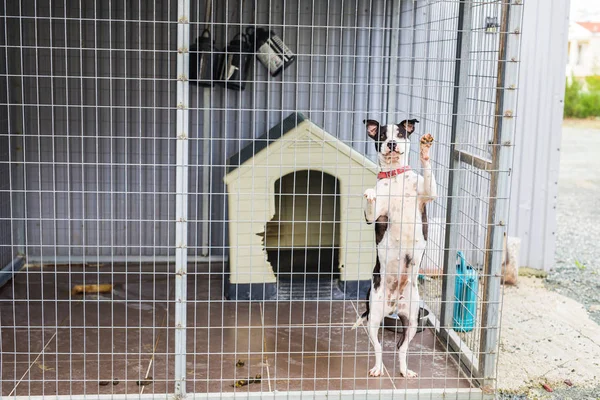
(584, 49)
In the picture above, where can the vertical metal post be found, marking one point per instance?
(413, 51)
(181, 194)
(16, 141)
(459, 116)
(206, 147)
(504, 127)
(392, 94)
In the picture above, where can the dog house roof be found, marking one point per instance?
(302, 133)
(262, 142)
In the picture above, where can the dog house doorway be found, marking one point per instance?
(302, 239)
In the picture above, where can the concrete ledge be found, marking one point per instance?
(355, 290)
(359, 394)
(252, 291)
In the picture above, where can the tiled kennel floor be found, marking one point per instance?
(52, 344)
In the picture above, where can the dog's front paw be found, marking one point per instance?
(426, 142)
(375, 371)
(370, 195)
(409, 374)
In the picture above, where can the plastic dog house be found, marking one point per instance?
(295, 197)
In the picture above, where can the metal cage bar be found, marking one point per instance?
(502, 153)
(459, 115)
(181, 196)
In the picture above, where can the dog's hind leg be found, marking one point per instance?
(410, 319)
(411, 315)
(410, 332)
(376, 315)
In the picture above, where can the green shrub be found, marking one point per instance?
(580, 103)
(590, 104)
(593, 83)
(572, 90)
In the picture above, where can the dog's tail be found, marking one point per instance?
(365, 316)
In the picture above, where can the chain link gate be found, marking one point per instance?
(166, 234)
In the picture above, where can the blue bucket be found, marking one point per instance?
(465, 296)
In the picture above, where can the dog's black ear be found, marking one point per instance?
(408, 125)
(372, 128)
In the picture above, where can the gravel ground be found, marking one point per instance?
(546, 342)
(558, 394)
(577, 271)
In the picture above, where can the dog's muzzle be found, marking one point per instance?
(393, 147)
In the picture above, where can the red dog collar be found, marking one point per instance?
(389, 174)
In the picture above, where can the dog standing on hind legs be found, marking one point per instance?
(397, 207)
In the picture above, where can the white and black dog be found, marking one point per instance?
(397, 206)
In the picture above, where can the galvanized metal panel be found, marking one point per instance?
(537, 140)
(339, 78)
(6, 229)
(539, 113)
(98, 189)
(98, 124)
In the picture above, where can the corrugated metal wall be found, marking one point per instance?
(338, 80)
(90, 118)
(537, 147)
(98, 87)
(426, 91)
(97, 125)
(6, 234)
(7, 252)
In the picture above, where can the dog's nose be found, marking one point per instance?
(391, 146)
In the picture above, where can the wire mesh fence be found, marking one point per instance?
(182, 205)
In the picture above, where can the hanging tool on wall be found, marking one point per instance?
(465, 295)
(270, 50)
(234, 63)
(202, 60)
